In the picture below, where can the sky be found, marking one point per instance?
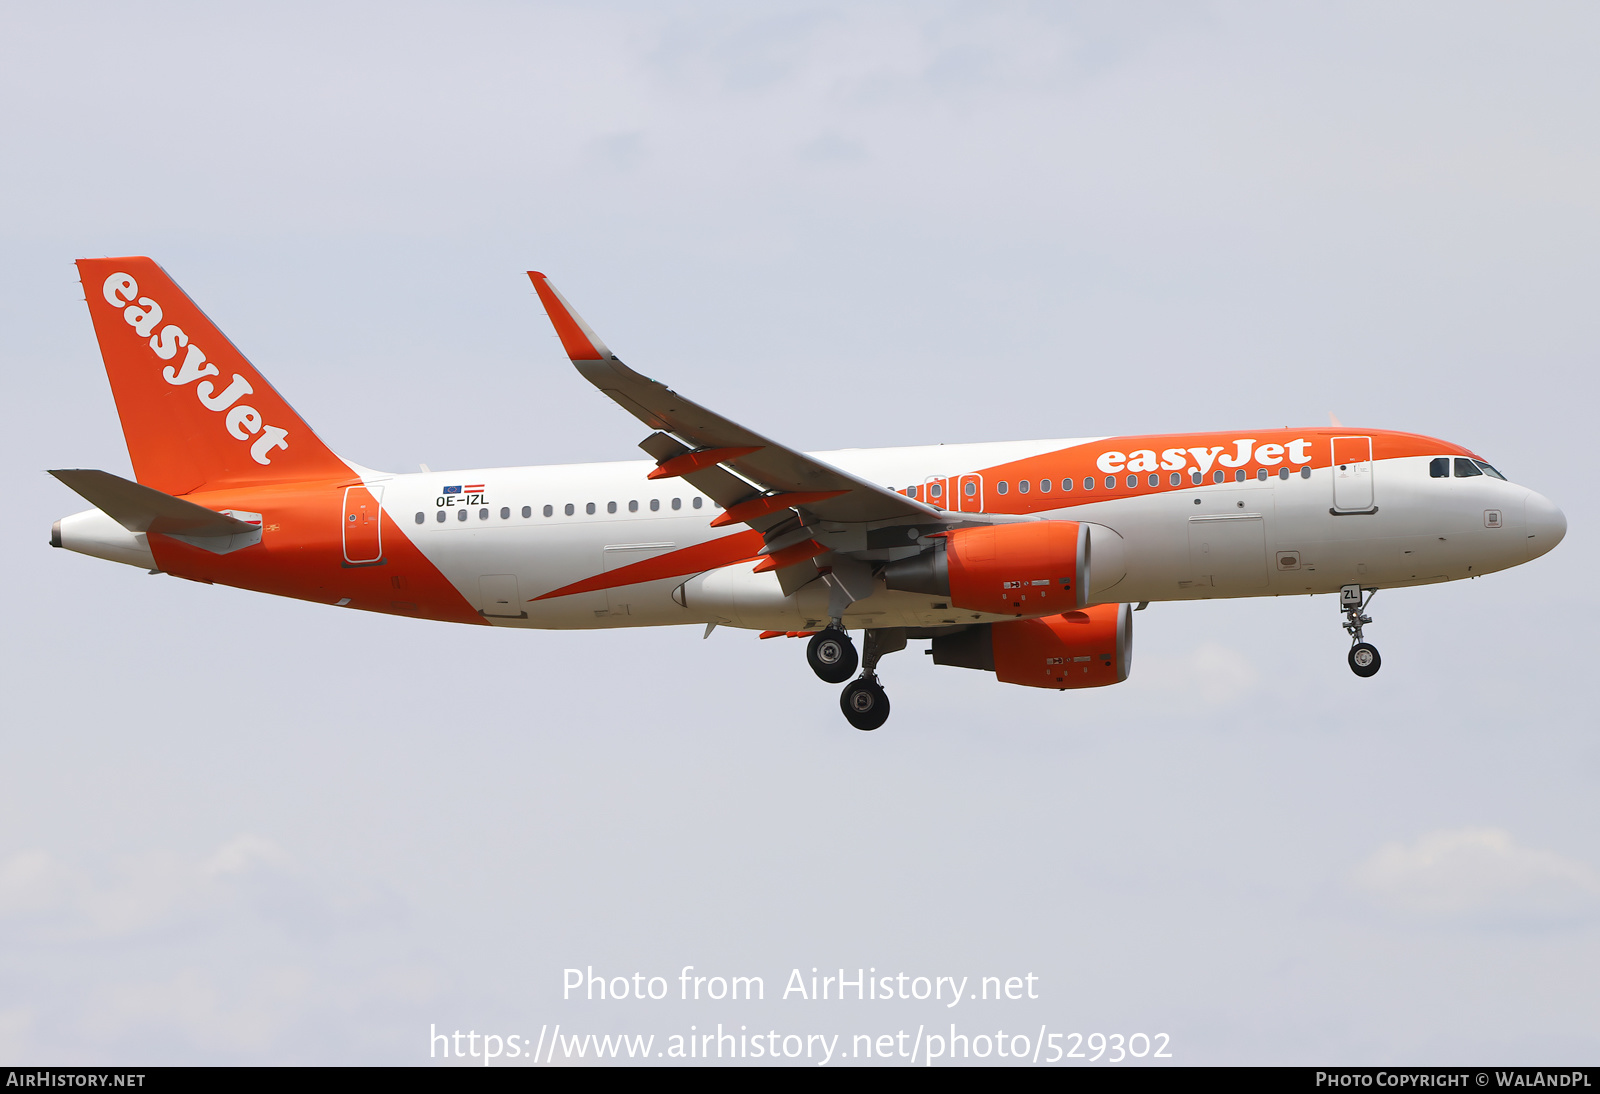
(237, 829)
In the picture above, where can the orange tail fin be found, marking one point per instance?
(194, 411)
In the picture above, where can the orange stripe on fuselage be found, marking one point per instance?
(301, 555)
(1082, 462)
(716, 553)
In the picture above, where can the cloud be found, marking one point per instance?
(1479, 876)
(833, 148)
(240, 1013)
(1208, 675)
(157, 891)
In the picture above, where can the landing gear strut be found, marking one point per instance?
(864, 703)
(831, 655)
(1364, 659)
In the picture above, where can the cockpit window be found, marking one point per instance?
(1487, 470)
(1466, 468)
(1439, 467)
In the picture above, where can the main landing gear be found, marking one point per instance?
(832, 656)
(864, 704)
(1364, 659)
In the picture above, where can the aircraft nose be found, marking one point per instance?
(1546, 524)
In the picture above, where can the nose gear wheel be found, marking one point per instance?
(1364, 659)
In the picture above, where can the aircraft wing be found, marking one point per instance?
(700, 445)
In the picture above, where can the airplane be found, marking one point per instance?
(1024, 559)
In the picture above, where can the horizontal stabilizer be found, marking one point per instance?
(143, 509)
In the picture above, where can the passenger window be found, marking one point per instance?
(1261, 474)
(1305, 472)
(633, 507)
(971, 488)
(1283, 472)
(699, 501)
(1133, 481)
(569, 510)
(655, 503)
(1111, 482)
(1466, 469)
(611, 507)
(1088, 483)
(421, 517)
(483, 514)
(1487, 470)
(1176, 479)
(1439, 467)
(505, 513)
(441, 516)
(911, 491)
(1044, 486)
(1196, 478)
(527, 511)
(1066, 484)
(1155, 480)
(1002, 487)
(677, 503)
(1217, 476)
(936, 491)
(549, 511)
(589, 509)
(1238, 476)
(461, 514)
(1024, 486)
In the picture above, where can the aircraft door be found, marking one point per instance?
(499, 595)
(363, 525)
(1352, 474)
(969, 493)
(1228, 552)
(936, 492)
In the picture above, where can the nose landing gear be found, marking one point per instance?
(1364, 659)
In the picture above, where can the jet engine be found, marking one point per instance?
(1003, 569)
(1089, 648)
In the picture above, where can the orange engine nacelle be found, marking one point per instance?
(1079, 649)
(1033, 568)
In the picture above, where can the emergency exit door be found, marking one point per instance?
(363, 525)
(969, 494)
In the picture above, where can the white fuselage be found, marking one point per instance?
(1232, 539)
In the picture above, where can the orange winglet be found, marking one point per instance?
(690, 462)
(756, 508)
(577, 341)
(789, 556)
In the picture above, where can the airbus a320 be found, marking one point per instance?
(1024, 559)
